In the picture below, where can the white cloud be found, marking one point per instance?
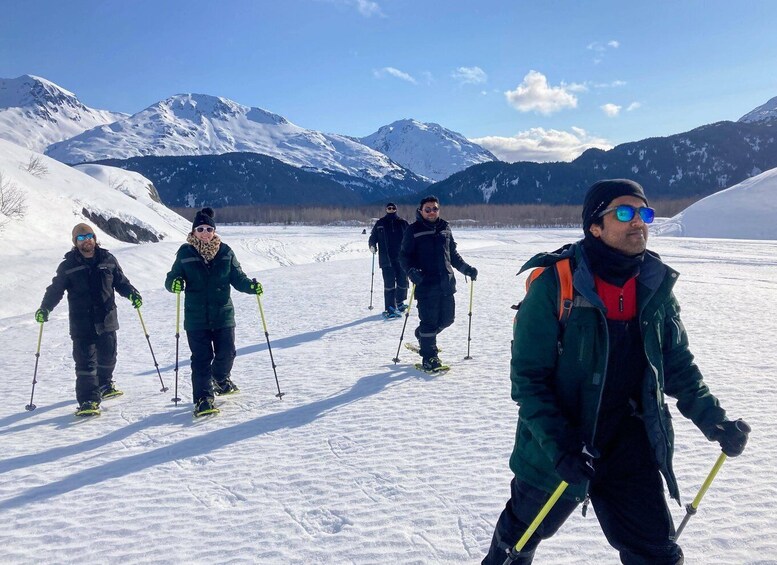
(633, 106)
(613, 43)
(612, 84)
(470, 75)
(393, 72)
(366, 8)
(541, 145)
(611, 110)
(535, 94)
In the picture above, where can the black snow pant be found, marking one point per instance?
(436, 312)
(213, 353)
(394, 285)
(627, 494)
(95, 358)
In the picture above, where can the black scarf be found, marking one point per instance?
(610, 264)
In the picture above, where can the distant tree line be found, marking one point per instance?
(476, 215)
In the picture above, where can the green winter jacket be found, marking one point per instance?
(558, 375)
(207, 302)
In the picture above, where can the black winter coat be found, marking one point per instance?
(387, 233)
(430, 248)
(90, 288)
(207, 303)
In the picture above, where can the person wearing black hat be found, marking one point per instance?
(386, 239)
(90, 274)
(592, 391)
(206, 268)
(429, 255)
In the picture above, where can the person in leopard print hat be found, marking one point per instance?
(205, 269)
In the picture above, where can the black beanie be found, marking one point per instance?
(391, 204)
(204, 218)
(601, 193)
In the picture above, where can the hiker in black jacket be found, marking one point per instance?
(386, 239)
(429, 255)
(90, 274)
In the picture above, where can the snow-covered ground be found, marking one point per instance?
(363, 461)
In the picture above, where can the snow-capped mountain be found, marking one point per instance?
(764, 112)
(427, 149)
(35, 113)
(199, 124)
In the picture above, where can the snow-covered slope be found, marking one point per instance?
(35, 113)
(60, 197)
(199, 124)
(427, 149)
(744, 211)
(764, 112)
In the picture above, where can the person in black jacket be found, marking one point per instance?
(429, 255)
(206, 268)
(386, 239)
(90, 274)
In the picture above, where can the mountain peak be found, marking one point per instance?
(30, 90)
(764, 112)
(427, 148)
(35, 112)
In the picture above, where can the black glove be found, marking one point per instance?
(575, 467)
(471, 272)
(415, 276)
(732, 436)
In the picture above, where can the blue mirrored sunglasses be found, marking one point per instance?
(84, 236)
(626, 213)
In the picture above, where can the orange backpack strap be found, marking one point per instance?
(566, 290)
(536, 272)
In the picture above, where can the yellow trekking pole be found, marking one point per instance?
(516, 550)
(175, 398)
(29, 407)
(148, 339)
(469, 331)
(407, 315)
(691, 508)
(267, 337)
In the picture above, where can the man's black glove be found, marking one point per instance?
(471, 272)
(575, 467)
(415, 276)
(732, 436)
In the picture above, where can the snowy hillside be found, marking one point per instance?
(60, 197)
(35, 113)
(198, 124)
(763, 113)
(427, 149)
(363, 462)
(744, 211)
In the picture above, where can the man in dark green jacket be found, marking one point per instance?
(90, 274)
(206, 269)
(592, 389)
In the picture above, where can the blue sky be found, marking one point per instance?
(536, 80)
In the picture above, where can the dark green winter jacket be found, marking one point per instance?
(207, 302)
(558, 376)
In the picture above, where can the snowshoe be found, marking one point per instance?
(225, 388)
(402, 307)
(109, 391)
(88, 409)
(432, 366)
(391, 314)
(205, 407)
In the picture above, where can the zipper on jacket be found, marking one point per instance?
(599, 402)
(586, 502)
